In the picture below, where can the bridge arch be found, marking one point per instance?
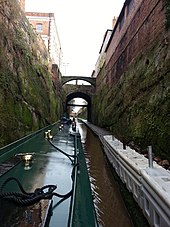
(84, 96)
(90, 80)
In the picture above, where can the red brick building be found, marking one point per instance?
(45, 25)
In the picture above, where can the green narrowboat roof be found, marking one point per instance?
(48, 166)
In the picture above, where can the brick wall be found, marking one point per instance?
(45, 25)
(40, 18)
(143, 26)
(128, 11)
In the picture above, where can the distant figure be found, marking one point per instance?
(74, 124)
(65, 120)
(69, 121)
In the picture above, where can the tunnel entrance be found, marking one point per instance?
(86, 104)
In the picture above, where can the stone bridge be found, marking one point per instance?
(91, 80)
(73, 88)
(83, 91)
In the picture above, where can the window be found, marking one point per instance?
(39, 27)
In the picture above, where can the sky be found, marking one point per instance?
(81, 25)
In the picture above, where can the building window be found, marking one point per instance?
(39, 27)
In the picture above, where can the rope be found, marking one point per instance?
(24, 198)
(67, 155)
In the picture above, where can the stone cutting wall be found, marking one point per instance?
(132, 98)
(28, 98)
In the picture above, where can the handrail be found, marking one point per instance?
(70, 220)
(9, 147)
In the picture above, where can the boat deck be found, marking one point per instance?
(49, 166)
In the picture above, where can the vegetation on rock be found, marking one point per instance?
(28, 99)
(136, 108)
(167, 13)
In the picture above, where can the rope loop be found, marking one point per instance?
(24, 198)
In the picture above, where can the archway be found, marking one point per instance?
(84, 96)
(66, 79)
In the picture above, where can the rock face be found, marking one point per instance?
(133, 98)
(28, 99)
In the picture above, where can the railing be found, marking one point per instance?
(149, 183)
(20, 141)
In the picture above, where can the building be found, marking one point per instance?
(45, 25)
(102, 54)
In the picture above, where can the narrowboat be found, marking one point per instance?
(44, 180)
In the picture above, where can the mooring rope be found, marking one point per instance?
(24, 198)
(68, 155)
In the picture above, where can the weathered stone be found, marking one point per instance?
(132, 98)
(28, 99)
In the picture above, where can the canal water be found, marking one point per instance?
(109, 205)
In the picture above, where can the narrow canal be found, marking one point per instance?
(108, 202)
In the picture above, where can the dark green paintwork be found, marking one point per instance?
(83, 214)
(50, 167)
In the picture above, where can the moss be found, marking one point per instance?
(167, 13)
(136, 108)
(28, 99)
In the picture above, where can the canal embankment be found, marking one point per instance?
(145, 180)
(112, 199)
(109, 205)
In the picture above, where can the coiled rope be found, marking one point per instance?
(24, 198)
